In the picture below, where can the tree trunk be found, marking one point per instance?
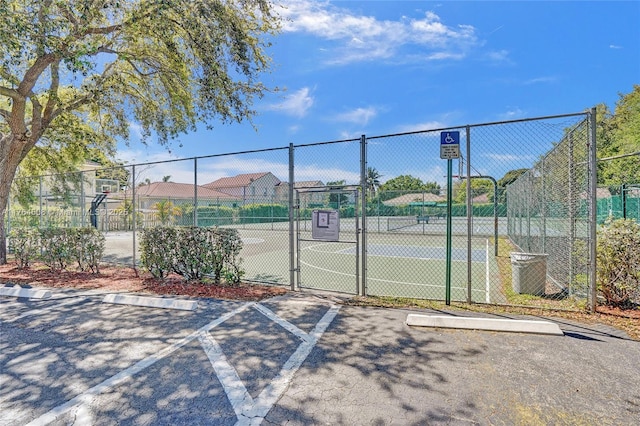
(11, 153)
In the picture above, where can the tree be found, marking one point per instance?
(619, 134)
(76, 73)
(166, 211)
(338, 199)
(166, 178)
(406, 183)
(505, 180)
(373, 181)
(478, 187)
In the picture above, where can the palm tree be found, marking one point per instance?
(166, 211)
(166, 178)
(373, 181)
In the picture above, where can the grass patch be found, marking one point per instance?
(624, 320)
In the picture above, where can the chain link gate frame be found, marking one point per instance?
(302, 226)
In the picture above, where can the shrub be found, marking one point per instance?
(63, 246)
(156, 250)
(192, 252)
(618, 260)
(56, 248)
(25, 244)
(87, 248)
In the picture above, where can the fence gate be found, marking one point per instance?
(328, 239)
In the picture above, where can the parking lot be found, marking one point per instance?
(298, 359)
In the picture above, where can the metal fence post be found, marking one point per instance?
(134, 214)
(292, 260)
(82, 195)
(363, 184)
(572, 212)
(40, 199)
(593, 182)
(469, 214)
(195, 191)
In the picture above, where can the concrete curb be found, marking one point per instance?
(24, 292)
(491, 324)
(151, 302)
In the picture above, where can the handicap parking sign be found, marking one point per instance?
(449, 145)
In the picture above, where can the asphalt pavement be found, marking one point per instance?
(299, 359)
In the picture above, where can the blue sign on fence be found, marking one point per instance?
(449, 145)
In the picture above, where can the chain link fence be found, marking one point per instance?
(523, 211)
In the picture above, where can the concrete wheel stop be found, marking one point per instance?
(489, 324)
(30, 293)
(151, 302)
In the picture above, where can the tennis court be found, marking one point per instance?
(406, 264)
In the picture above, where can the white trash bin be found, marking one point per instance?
(529, 272)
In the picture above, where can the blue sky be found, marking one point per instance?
(385, 67)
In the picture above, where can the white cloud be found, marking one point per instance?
(512, 114)
(417, 127)
(498, 55)
(365, 38)
(360, 116)
(614, 46)
(536, 80)
(296, 104)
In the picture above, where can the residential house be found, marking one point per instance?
(249, 187)
(147, 195)
(422, 197)
(307, 198)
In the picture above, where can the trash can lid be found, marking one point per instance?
(518, 256)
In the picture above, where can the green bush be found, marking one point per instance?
(618, 262)
(156, 250)
(264, 213)
(25, 244)
(58, 247)
(215, 215)
(87, 248)
(192, 252)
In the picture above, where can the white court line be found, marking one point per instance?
(313, 248)
(89, 394)
(387, 281)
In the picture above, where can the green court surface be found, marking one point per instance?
(403, 265)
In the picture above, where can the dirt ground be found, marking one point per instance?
(114, 278)
(123, 279)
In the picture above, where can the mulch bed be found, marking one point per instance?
(118, 279)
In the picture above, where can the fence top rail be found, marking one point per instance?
(493, 123)
(281, 148)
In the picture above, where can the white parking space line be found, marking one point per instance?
(227, 375)
(270, 395)
(248, 411)
(89, 394)
(284, 324)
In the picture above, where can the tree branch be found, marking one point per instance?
(11, 93)
(53, 92)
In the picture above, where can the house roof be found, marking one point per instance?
(238, 181)
(176, 190)
(303, 184)
(412, 198)
(481, 199)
